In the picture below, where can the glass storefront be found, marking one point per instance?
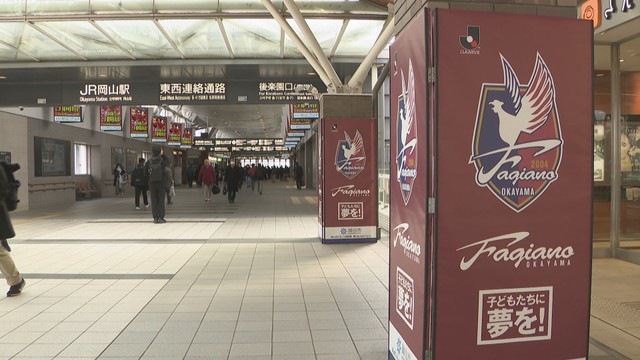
(616, 152)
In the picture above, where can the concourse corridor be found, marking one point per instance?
(248, 280)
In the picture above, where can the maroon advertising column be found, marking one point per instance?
(513, 186)
(347, 197)
(408, 297)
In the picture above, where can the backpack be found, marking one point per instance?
(137, 177)
(11, 199)
(156, 171)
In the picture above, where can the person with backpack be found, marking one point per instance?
(140, 181)
(156, 169)
(8, 201)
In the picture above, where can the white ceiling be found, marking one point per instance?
(628, 36)
(179, 39)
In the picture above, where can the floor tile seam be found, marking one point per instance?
(361, 293)
(608, 349)
(203, 267)
(71, 314)
(615, 328)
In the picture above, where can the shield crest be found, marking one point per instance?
(406, 153)
(350, 155)
(517, 142)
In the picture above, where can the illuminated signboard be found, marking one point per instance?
(285, 91)
(308, 110)
(249, 146)
(193, 91)
(67, 114)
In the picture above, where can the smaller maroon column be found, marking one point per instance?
(347, 177)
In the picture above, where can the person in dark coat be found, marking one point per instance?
(7, 266)
(140, 181)
(232, 179)
(298, 173)
(157, 186)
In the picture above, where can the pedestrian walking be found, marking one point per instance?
(7, 266)
(207, 177)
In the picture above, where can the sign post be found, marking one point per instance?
(508, 234)
(347, 186)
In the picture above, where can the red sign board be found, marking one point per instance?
(349, 209)
(514, 182)
(111, 118)
(159, 129)
(139, 122)
(408, 195)
(187, 138)
(175, 134)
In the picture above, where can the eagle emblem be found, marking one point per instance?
(517, 143)
(407, 136)
(350, 155)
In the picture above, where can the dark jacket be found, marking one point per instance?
(140, 173)
(6, 228)
(232, 178)
(261, 173)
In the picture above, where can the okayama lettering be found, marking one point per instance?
(495, 249)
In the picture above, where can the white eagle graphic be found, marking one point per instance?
(354, 148)
(531, 109)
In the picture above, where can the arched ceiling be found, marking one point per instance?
(107, 40)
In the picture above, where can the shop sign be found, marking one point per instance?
(607, 14)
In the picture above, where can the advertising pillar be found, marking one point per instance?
(509, 188)
(347, 177)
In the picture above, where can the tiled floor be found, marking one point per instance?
(248, 280)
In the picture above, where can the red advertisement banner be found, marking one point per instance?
(349, 170)
(187, 138)
(111, 118)
(174, 136)
(139, 122)
(159, 129)
(408, 298)
(514, 183)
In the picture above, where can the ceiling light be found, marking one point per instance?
(599, 74)
(311, 73)
(621, 60)
(2, 77)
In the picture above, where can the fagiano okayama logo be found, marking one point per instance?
(407, 136)
(517, 143)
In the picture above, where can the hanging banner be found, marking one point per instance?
(111, 118)
(139, 122)
(159, 129)
(514, 184)
(187, 138)
(350, 199)
(175, 134)
(408, 303)
(67, 114)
